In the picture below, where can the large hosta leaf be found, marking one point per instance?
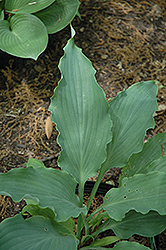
(142, 192)
(52, 188)
(26, 6)
(24, 36)
(80, 110)
(143, 161)
(59, 14)
(147, 225)
(158, 165)
(36, 233)
(64, 228)
(132, 114)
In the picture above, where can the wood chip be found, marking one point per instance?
(48, 127)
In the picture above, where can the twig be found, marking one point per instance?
(50, 157)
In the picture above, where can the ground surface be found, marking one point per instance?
(126, 42)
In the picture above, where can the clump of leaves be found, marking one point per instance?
(25, 32)
(94, 135)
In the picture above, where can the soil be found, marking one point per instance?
(126, 42)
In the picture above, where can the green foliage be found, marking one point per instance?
(121, 246)
(94, 135)
(25, 32)
(35, 233)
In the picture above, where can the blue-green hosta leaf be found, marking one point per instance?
(35, 210)
(24, 36)
(132, 114)
(142, 192)
(36, 233)
(139, 163)
(147, 225)
(125, 245)
(158, 165)
(59, 14)
(80, 110)
(51, 188)
(26, 6)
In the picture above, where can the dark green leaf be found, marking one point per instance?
(59, 14)
(1, 15)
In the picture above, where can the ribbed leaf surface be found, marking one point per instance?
(50, 187)
(132, 114)
(25, 36)
(158, 165)
(152, 150)
(64, 227)
(59, 14)
(125, 245)
(26, 6)
(139, 193)
(104, 241)
(36, 233)
(80, 110)
(147, 225)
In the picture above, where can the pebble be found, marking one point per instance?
(39, 68)
(82, 29)
(104, 56)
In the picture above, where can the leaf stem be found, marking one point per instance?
(85, 224)
(100, 229)
(81, 193)
(79, 226)
(81, 196)
(94, 190)
(95, 212)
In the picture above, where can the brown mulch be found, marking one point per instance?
(126, 42)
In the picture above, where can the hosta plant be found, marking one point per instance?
(94, 135)
(25, 24)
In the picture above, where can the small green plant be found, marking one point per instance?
(94, 135)
(25, 32)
